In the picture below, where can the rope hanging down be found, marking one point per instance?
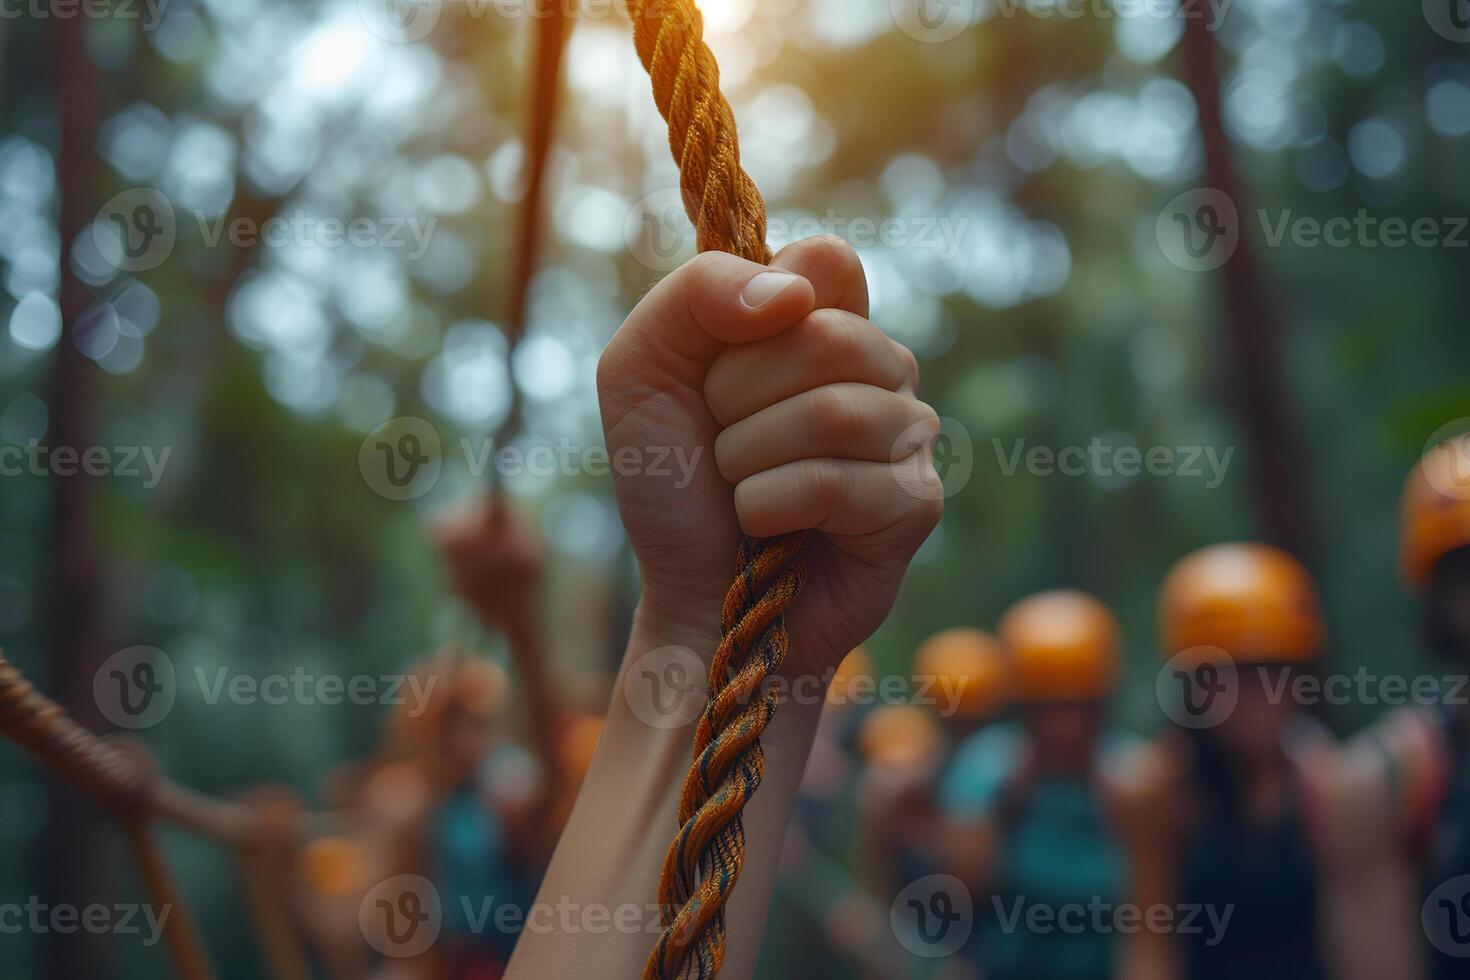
(123, 778)
(705, 859)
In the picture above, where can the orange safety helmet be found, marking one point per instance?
(970, 669)
(332, 866)
(1064, 646)
(1436, 509)
(1254, 601)
(900, 736)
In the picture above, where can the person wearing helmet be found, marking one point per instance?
(902, 749)
(488, 818)
(1218, 808)
(1436, 565)
(963, 674)
(1024, 804)
(1406, 779)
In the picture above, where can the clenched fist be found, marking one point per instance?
(495, 560)
(791, 411)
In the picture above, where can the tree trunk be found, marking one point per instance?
(1260, 400)
(72, 603)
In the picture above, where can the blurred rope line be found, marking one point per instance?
(122, 776)
(704, 862)
(553, 26)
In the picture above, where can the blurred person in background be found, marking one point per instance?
(1224, 813)
(1405, 781)
(1026, 804)
(963, 672)
(1436, 564)
(902, 750)
(448, 797)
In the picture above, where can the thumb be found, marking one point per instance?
(710, 302)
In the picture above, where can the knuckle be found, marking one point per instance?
(822, 483)
(832, 256)
(908, 364)
(835, 411)
(701, 267)
(610, 366)
(835, 248)
(725, 457)
(928, 512)
(920, 434)
(833, 335)
(929, 422)
(920, 481)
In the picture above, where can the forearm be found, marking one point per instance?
(605, 871)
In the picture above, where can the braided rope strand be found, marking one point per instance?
(115, 776)
(706, 857)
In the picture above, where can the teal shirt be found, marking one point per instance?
(1059, 859)
(474, 872)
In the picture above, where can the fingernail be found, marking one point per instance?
(764, 288)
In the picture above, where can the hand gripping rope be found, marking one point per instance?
(704, 861)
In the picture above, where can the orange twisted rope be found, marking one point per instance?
(116, 776)
(704, 862)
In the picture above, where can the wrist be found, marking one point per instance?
(666, 674)
(693, 625)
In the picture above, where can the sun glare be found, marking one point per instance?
(725, 16)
